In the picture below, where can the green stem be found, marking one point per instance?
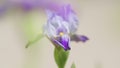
(34, 41)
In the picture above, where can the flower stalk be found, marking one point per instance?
(61, 57)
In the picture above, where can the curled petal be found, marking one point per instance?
(49, 30)
(65, 11)
(63, 41)
(78, 38)
(69, 15)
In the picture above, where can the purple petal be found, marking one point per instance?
(78, 38)
(65, 11)
(63, 42)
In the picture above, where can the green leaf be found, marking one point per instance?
(60, 56)
(73, 65)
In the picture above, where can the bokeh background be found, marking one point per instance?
(99, 20)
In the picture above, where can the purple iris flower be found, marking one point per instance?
(61, 27)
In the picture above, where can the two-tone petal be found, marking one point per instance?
(79, 38)
(63, 41)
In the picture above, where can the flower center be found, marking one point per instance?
(61, 33)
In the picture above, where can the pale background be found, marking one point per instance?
(99, 20)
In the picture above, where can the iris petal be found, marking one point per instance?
(78, 38)
(63, 41)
